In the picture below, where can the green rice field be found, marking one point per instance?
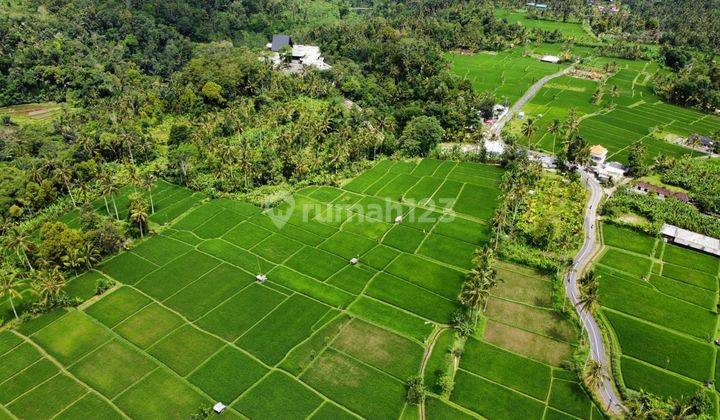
(571, 30)
(189, 325)
(508, 74)
(635, 114)
(663, 319)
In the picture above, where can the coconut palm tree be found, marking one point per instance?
(528, 128)
(48, 285)
(138, 213)
(474, 292)
(594, 374)
(17, 240)
(89, 254)
(9, 286)
(63, 172)
(589, 296)
(108, 187)
(148, 182)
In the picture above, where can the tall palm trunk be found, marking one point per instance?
(24, 257)
(140, 224)
(152, 203)
(107, 207)
(112, 197)
(67, 185)
(12, 305)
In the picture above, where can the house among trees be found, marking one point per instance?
(644, 188)
(704, 143)
(295, 57)
(537, 6)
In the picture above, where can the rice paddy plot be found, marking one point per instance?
(663, 320)
(628, 112)
(321, 335)
(508, 74)
(573, 30)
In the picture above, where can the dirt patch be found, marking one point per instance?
(588, 74)
(338, 370)
(375, 343)
(534, 346)
(538, 320)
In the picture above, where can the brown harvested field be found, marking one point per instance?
(38, 111)
(538, 320)
(521, 288)
(534, 346)
(380, 348)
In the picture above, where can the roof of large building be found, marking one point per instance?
(647, 187)
(692, 239)
(598, 150)
(550, 59)
(279, 41)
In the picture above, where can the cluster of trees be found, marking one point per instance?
(476, 288)
(43, 263)
(670, 211)
(694, 24)
(694, 81)
(574, 148)
(698, 176)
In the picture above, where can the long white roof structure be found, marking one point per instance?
(692, 239)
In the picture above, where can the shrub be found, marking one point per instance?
(416, 390)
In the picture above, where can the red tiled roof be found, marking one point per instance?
(663, 191)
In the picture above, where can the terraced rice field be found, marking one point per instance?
(635, 114)
(660, 300)
(170, 202)
(323, 338)
(508, 74)
(572, 30)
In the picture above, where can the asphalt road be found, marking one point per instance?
(496, 129)
(607, 394)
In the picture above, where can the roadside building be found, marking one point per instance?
(645, 188)
(598, 155)
(691, 239)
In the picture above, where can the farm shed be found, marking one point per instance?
(691, 239)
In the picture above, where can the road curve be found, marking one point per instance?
(607, 394)
(496, 129)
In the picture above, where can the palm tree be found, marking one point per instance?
(528, 128)
(9, 286)
(148, 182)
(680, 411)
(109, 188)
(64, 173)
(589, 297)
(474, 292)
(138, 212)
(73, 259)
(15, 238)
(89, 254)
(594, 374)
(48, 285)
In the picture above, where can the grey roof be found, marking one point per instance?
(280, 41)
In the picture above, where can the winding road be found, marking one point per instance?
(496, 129)
(607, 393)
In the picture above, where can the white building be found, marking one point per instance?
(598, 155)
(691, 239)
(550, 59)
(299, 55)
